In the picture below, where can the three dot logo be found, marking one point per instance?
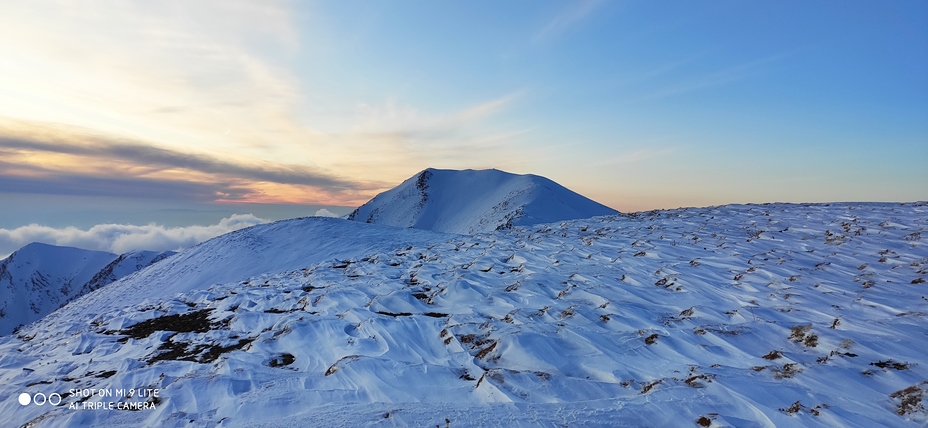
(40, 399)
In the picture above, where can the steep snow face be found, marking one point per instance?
(39, 278)
(125, 265)
(468, 202)
(773, 315)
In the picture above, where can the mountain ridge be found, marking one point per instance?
(246, 254)
(475, 201)
(39, 278)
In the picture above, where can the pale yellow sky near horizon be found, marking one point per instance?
(324, 104)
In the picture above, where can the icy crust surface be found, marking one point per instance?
(759, 315)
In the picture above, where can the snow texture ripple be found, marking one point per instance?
(741, 315)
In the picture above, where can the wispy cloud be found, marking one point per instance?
(38, 181)
(121, 238)
(393, 118)
(719, 77)
(573, 14)
(636, 156)
(656, 72)
(216, 93)
(399, 139)
(209, 74)
(157, 158)
(43, 159)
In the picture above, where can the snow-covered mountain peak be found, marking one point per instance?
(39, 278)
(475, 201)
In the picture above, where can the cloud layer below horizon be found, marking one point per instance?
(122, 238)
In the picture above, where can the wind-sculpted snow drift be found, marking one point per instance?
(468, 202)
(757, 315)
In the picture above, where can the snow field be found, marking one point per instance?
(757, 315)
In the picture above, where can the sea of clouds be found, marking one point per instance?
(122, 238)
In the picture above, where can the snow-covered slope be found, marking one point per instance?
(39, 278)
(468, 202)
(772, 315)
(246, 253)
(125, 265)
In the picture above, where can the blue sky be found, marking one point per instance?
(638, 105)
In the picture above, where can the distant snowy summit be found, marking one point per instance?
(472, 201)
(40, 278)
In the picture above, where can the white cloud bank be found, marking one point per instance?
(122, 238)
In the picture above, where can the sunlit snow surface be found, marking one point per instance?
(469, 202)
(648, 319)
